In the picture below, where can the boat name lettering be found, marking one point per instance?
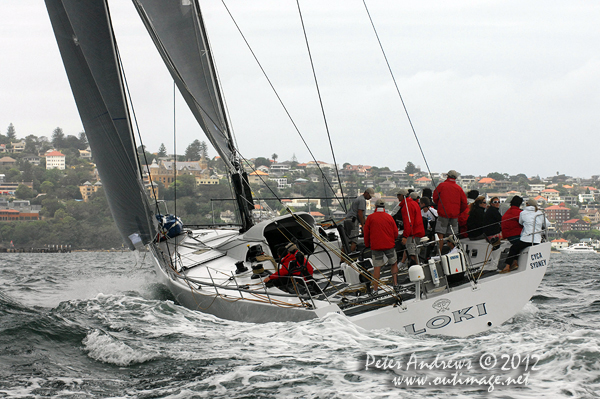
(537, 264)
(538, 260)
(442, 321)
(537, 256)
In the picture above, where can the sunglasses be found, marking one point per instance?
(495, 202)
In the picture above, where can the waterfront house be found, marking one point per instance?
(559, 244)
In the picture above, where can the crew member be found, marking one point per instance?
(380, 234)
(355, 218)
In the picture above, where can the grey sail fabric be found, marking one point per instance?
(177, 29)
(85, 40)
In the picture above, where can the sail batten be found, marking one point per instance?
(84, 35)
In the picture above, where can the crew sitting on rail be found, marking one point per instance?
(292, 264)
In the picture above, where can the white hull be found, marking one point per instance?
(459, 311)
(578, 249)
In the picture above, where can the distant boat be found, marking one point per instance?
(579, 248)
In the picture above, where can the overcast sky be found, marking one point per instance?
(490, 86)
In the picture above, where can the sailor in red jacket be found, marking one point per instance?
(304, 270)
(511, 229)
(413, 225)
(380, 233)
(451, 201)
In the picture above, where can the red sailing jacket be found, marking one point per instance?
(380, 231)
(510, 222)
(450, 199)
(413, 221)
(462, 222)
(283, 270)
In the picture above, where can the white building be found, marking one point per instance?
(281, 182)
(55, 160)
(537, 187)
(583, 198)
(559, 244)
(85, 154)
(279, 169)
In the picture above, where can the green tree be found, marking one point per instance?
(145, 158)
(46, 187)
(74, 143)
(11, 133)
(162, 150)
(50, 206)
(83, 142)
(13, 175)
(58, 137)
(203, 150)
(192, 152)
(24, 192)
(523, 182)
(496, 176)
(53, 175)
(274, 157)
(183, 186)
(30, 144)
(410, 168)
(260, 161)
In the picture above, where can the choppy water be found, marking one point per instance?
(90, 325)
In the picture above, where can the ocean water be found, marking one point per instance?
(98, 325)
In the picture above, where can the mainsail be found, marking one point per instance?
(177, 29)
(85, 39)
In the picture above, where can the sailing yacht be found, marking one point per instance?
(222, 271)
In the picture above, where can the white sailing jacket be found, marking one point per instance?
(533, 222)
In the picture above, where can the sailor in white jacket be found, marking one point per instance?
(534, 223)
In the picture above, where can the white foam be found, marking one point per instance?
(108, 349)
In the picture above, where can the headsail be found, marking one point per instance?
(85, 39)
(177, 29)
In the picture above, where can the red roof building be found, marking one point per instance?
(12, 215)
(55, 160)
(486, 180)
(575, 225)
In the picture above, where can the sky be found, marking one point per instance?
(490, 86)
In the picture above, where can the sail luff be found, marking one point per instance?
(84, 37)
(219, 102)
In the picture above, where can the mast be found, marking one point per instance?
(179, 34)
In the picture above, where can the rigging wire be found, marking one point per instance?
(399, 94)
(433, 180)
(174, 149)
(312, 65)
(137, 127)
(280, 101)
